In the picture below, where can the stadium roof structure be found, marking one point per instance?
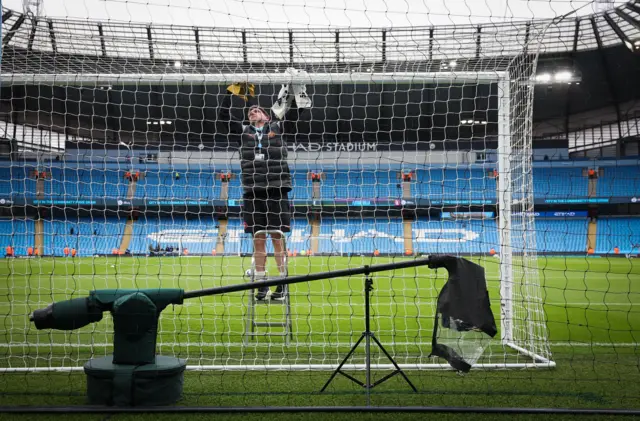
(114, 47)
(600, 47)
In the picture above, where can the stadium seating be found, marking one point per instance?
(623, 233)
(557, 183)
(18, 233)
(90, 236)
(198, 236)
(435, 184)
(450, 184)
(337, 236)
(238, 242)
(452, 237)
(561, 235)
(346, 184)
(15, 180)
(480, 236)
(189, 185)
(361, 236)
(87, 183)
(619, 181)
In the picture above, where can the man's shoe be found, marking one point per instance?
(263, 294)
(280, 294)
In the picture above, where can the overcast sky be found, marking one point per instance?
(310, 13)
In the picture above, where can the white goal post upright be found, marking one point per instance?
(504, 199)
(520, 289)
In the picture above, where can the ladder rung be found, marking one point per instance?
(270, 302)
(267, 334)
(270, 324)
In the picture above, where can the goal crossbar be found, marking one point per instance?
(258, 78)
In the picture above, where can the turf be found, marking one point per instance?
(591, 307)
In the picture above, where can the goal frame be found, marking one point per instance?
(504, 153)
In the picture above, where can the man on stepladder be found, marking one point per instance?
(266, 177)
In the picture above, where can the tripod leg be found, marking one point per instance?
(398, 369)
(337, 370)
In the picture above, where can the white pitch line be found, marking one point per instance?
(560, 303)
(597, 344)
(282, 345)
(494, 301)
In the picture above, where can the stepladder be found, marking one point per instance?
(269, 318)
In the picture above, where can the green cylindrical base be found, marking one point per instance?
(129, 385)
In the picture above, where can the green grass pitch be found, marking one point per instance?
(592, 310)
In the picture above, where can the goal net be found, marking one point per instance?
(417, 141)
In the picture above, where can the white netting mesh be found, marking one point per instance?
(142, 103)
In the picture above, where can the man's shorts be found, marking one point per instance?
(266, 210)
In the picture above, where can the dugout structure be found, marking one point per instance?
(497, 63)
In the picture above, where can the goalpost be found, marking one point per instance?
(523, 341)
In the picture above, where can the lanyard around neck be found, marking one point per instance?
(259, 134)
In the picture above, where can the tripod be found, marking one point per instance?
(368, 336)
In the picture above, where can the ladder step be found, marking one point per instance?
(270, 324)
(267, 334)
(270, 302)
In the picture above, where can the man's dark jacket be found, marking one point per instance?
(271, 171)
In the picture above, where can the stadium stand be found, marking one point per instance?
(89, 236)
(356, 184)
(619, 181)
(561, 235)
(434, 183)
(622, 232)
(437, 236)
(187, 185)
(460, 183)
(555, 183)
(361, 236)
(302, 188)
(198, 236)
(238, 242)
(15, 180)
(87, 183)
(18, 233)
(337, 236)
